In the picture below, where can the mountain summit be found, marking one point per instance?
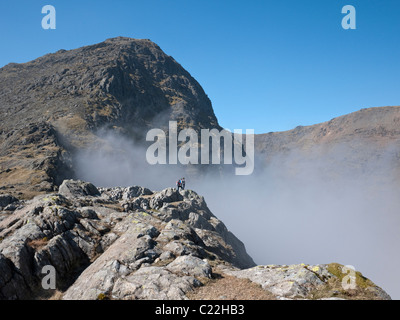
(54, 105)
(120, 82)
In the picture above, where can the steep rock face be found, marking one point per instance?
(133, 243)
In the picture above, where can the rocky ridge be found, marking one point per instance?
(134, 243)
(349, 144)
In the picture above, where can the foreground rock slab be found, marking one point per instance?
(134, 243)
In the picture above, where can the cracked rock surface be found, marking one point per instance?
(124, 243)
(134, 243)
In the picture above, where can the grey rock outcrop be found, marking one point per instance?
(192, 266)
(323, 282)
(133, 243)
(71, 188)
(105, 239)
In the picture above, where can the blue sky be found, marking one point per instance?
(266, 65)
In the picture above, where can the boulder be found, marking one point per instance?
(134, 192)
(72, 188)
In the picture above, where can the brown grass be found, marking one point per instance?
(57, 295)
(38, 243)
(114, 206)
(227, 287)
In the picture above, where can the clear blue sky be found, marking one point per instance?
(266, 65)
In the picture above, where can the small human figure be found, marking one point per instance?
(183, 183)
(179, 184)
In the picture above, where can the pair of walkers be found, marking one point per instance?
(180, 184)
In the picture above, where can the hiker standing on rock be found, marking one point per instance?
(183, 183)
(179, 184)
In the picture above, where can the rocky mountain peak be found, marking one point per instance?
(119, 81)
(122, 84)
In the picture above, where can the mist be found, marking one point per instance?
(117, 161)
(316, 207)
